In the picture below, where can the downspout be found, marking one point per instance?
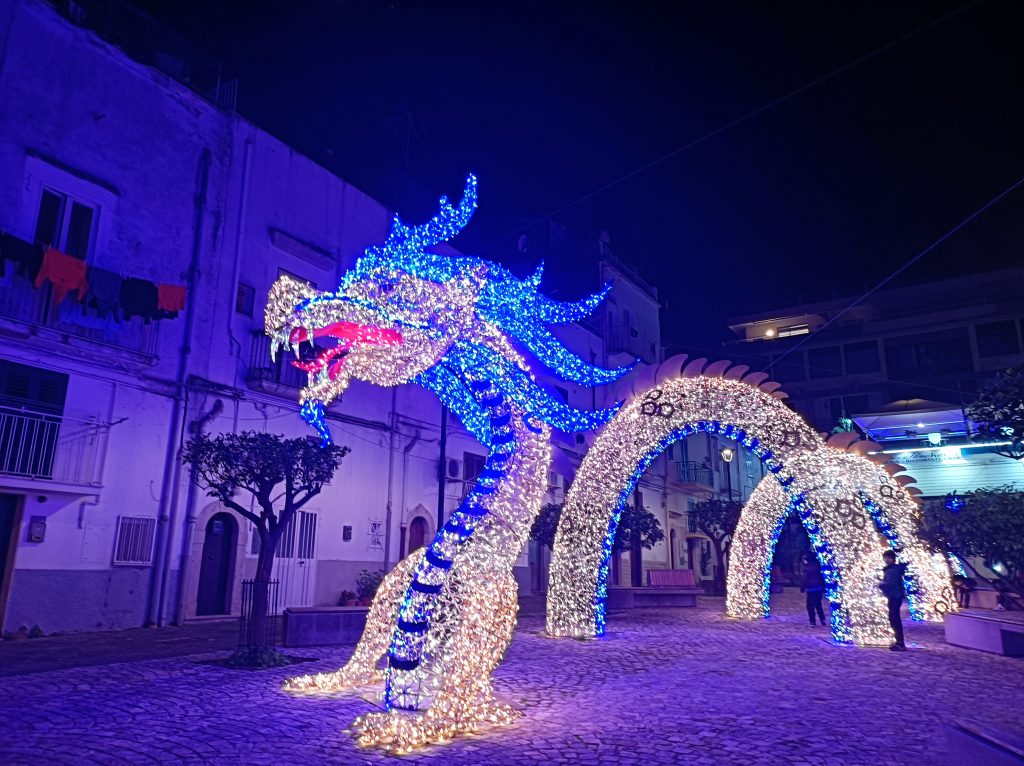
(172, 467)
(239, 234)
(405, 471)
(195, 428)
(391, 471)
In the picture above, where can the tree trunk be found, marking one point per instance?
(720, 569)
(636, 560)
(259, 635)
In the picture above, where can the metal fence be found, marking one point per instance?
(263, 368)
(22, 302)
(248, 634)
(689, 472)
(41, 445)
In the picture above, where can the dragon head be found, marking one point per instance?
(403, 314)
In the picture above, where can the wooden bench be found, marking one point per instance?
(668, 587)
(997, 632)
(324, 625)
(968, 743)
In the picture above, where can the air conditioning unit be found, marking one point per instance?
(454, 468)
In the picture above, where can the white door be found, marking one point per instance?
(295, 564)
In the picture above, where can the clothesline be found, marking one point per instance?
(109, 295)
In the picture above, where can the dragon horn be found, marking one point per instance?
(449, 221)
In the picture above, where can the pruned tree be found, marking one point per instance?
(987, 523)
(637, 530)
(281, 475)
(642, 525)
(998, 412)
(717, 519)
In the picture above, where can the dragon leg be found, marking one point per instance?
(363, 667)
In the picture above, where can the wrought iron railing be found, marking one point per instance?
(625, 339)
(22, 302)
(689, 472)
(252, 633)
(39, 445)
(280, 371)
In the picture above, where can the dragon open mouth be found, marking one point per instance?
(348, 334)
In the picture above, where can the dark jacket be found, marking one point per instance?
(892, 580)
(813, 581)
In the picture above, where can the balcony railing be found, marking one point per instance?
(22, 302)
(624, 339)
(278, 372)
(39, 445)
(690, 472)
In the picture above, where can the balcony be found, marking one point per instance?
(59, 448)
(691, 477)
(20, 302)
(272, 376)
(622, 339)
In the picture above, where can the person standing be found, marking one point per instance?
(813, 584)
(892, 588)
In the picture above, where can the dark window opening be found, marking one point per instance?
(245, 299)
(825, 362)
(997, 338)
(862, 357)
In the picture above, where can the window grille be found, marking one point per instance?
(134, 545)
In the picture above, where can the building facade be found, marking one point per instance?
(900, 367)
(112, 167)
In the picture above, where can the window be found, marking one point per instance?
(65, 223)
(307, 535)
(472, 466)
(31, 406)
(932, 354)
(789, 369)
(825, 362)
(346, 533)
(563, 393)
(997, 338)
(862, 357)
(134, 542)
(244, 300)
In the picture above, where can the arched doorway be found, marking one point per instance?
(216, 570)
(417, 533)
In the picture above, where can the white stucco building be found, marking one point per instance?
(123, 167)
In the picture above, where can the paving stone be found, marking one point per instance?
(664, 687)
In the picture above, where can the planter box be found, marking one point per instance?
(324, 625)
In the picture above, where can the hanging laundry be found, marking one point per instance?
(64, 272)
(27, 257)
(105, 293)
(170, 299)
(139, 299)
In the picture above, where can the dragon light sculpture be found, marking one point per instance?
(461, 327)
(454, 325)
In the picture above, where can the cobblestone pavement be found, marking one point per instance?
(664, 687)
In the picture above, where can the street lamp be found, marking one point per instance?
(727, 454)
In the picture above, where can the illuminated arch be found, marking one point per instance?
(722, 401)
(851, 493)
(841, 497)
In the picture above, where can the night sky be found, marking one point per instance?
(550, 103)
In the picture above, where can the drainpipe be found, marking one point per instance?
(195, 428)
(405, 472)
(391, 471)
(171, 482)
(239, 235)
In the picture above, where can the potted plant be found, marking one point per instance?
(347, 598)
(367, 584)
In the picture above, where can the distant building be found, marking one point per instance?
(900, 366)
